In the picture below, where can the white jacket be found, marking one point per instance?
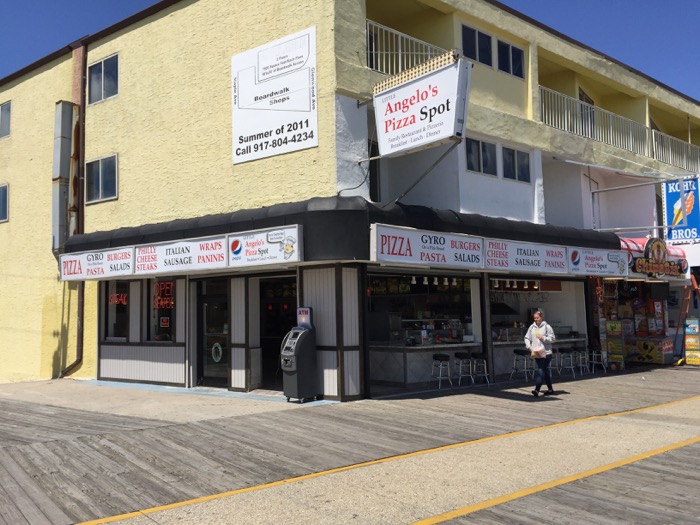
(547, 336)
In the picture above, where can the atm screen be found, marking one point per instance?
(295, 334)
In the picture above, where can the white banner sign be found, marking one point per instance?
(588, 261)
(524, 257)
(280, 245)
(424, 112)
(275, 98)
(184, 256)
(408, 246)
(97, 265)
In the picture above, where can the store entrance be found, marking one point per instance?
(278, 302)
(213, 348)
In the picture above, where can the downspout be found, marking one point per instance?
(77, 185)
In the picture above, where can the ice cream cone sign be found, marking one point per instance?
(677, 210)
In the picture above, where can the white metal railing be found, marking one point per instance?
(568, 114)
(391, 52)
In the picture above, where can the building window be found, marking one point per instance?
(101, 179)
(516, 165)
(510, 59)
(477, 45)
(481, 157)
(4, 203)
(161, 310)
(5, 110)
(103, 79)
(116, 311)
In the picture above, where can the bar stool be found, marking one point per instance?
(463, 367)
(582, 361)
(441, 369)
(567, 360)
(597, 358)
(555, 363)
(480, 366)
(522, 363)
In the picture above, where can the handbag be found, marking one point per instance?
(538, 352)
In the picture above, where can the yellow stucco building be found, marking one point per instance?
(198, 128)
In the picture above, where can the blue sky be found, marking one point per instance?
(651, 36)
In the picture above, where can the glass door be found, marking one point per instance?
(214, 353)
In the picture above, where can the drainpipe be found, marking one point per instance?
(78, 175)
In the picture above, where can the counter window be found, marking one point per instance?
(116, 311)
(424, 309)
(161, 309)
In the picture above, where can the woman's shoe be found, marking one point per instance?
(535, 393)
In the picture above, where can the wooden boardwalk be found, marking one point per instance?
(63, 465)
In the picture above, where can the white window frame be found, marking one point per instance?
(478, 58)
(8, 117)
(102, 96)
(102, 198)
(516, 164)
(511, 47)
(481, 156)
(500, 164)
(6, 197)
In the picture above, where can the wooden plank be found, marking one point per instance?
(21, 493)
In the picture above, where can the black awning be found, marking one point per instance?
(338, 228)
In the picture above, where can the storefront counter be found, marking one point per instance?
(401, 364)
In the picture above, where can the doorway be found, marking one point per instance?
(213, 339)
(278, 303)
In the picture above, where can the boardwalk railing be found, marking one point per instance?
(568, 114)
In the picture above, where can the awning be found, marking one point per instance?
(338, 228)
(652, 257)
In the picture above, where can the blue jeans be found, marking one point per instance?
(542, 374)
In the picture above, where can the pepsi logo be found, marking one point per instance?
(236, 247)
(575, 257)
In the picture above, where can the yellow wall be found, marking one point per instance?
(170, 125)
(632, 108)
(37, 312)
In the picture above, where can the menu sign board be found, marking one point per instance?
(408, 246)
(587, 261)
(184, 256)
(97, 265)
(275, 245)
(279, 245)
(524, 257)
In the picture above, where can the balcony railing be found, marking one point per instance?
(580, 118)
(391, 52)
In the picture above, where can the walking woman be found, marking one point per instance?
(538, 340)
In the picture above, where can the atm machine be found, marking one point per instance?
(298, 359)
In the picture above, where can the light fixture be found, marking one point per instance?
(507, 284)
(515, 285)
(425, 280)
(525, 286)
(446, 282)
(435, 281)
(536, 285)
(495, 285)
(454, 281)
(413, 280)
